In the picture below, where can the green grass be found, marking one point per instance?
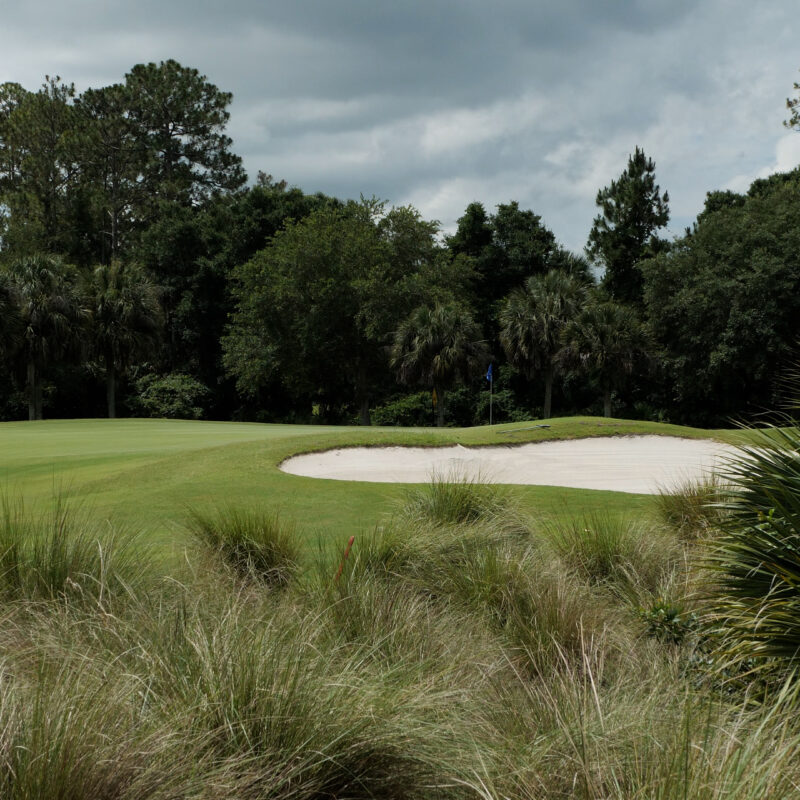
(147, 473)
(458, 656)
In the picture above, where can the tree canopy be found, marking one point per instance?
(532, 322)
(724, 303)
(438, 347)
(624, 233)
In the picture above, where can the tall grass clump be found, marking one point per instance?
(454, 499)
(754, 596)
(694, 509)
(255, 543)
(489, 573)
(63, 553)
(603, 549)
(284, 710)
(76, 727)
(589, 732)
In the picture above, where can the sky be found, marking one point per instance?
(445, 102)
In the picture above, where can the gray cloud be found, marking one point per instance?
(447, 101)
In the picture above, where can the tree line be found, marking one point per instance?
(140, 274)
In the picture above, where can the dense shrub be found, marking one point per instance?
(175, 396)
(411, 410)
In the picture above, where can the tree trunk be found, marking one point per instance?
(38, 395)
(362, 396)
(114, 215)
(31, 390)
(363, 412)
(111, 387)
(439, 406)
(607, 401)
(548, 393)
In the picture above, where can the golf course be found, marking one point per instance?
(399, 401)
(146, 474)
(184, 618)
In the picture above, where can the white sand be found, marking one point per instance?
(637, 464)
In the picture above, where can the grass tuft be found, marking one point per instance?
(64, 554)
(256, 543)
(454, 499)
(604, 550)
(693, 510)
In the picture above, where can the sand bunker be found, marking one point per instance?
(637, 464)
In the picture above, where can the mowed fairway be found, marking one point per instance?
(146, 474)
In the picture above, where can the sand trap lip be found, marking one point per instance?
(635, 464)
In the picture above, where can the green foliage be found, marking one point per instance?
(178, 118)
(344, 278)
(490, 569)
(409, 410)
(668, 622)
(125, 318)
(624, 233)
(603, 549)
(174, 396)
(10, 321)
(694, 510)
(38, 185)
(453, 499)
(532, 322)
(505, 248)
(469, 405)
(62, 554)
(48, 315)
(723, 304)
(438, 347)
(754, 597)
(521, 246)
(255, 543)
(606, 341)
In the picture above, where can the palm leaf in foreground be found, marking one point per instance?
(755, 598)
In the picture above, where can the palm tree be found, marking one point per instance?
(606, 340)
(49, 314)
(126, 318)
(438, 347)
(531, 322)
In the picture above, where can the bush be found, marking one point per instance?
(603, 549)
(668, 622)
(469, 405)
(464, 406)
(411, 410)
(174, 396)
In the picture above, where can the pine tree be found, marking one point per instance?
(625, 233)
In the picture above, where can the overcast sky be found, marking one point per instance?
(441, 102)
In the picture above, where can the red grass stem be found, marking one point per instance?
(344, 558)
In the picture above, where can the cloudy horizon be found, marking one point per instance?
(443, 103)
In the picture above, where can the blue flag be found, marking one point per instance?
(489, 373)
